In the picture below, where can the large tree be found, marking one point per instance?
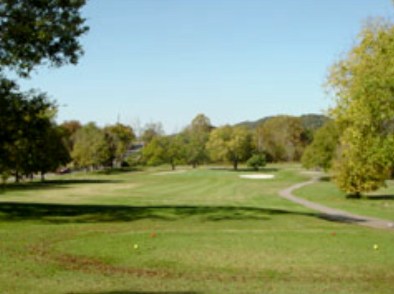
(165, 150)
(30, 141)
(32, 32)
(362, 83)
(196, 136)
(37, 31)
(233, 144)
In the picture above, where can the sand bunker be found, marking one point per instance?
(257, 177)
(170, 172)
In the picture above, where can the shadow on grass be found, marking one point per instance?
(62, 213)
(137, 292)
(51, 184)
(116, 171)
(380, 197)
(337, 218)
(243, 170)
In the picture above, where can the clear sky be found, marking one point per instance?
(233, 60)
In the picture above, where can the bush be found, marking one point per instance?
(256, 161)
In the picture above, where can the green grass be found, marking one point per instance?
(200, 231)
(377, 204)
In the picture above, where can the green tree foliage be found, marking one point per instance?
(321, 152)
(151, 131)
(51, 151)
(33, 31)
(91, 149)
(233, 144)
(362, 83)
(30, 142)
(282, 138)
(68, 129)
(256, 161)
(361, 165)
(196, 136)
(119, 138)
(165, 150)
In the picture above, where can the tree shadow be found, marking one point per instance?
(51, 184)
(63, 213)
(380, 197)
(340, 218)
(325, 179)
(138, 292)
(244, 169)
(116, 171)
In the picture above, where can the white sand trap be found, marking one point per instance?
(170, 172)
(257, 177)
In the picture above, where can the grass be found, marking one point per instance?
(377, 204)
(200, 231)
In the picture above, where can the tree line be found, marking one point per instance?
(281, 138)
(39, 145)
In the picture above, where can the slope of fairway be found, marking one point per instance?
(201, 231)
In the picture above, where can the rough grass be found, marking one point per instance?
(203, 231)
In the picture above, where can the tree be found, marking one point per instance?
(68, 130)
(30, 141)
(151, 131)
(321, 152)
(34, 31)
(51, 151)
(91, 149)
(196, 136)
(233, 144)
(282, 138)
(161, 150)
(119, 138)
(362, 84)
(361, 165)
(256, 161)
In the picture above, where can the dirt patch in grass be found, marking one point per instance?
(88, 264)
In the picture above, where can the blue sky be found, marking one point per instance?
(233, 60)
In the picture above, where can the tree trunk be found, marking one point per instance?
(235, 164)
(17, 177)
(42, 176)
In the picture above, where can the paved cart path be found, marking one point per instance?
(332, 213)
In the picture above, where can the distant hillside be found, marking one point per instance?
(309, 121)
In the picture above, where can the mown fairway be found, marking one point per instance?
(198, 231)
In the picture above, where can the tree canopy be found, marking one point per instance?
(282, 138)
(233, 144)
(362, 83)
(321, 152)
(196, 137)
(37, 31)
